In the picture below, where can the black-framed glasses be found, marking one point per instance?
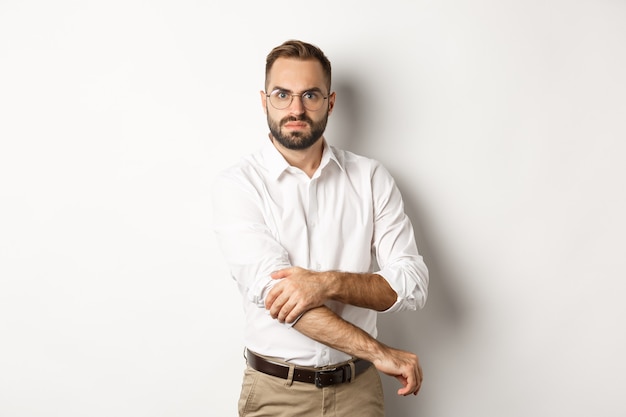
(311, 100)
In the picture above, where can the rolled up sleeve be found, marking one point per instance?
(394, 243)
(250, 249)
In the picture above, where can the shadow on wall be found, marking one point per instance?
(429, 330)
(345, 125)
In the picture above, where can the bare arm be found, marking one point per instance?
(324, 326)
(300, 289)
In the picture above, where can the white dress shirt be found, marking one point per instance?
(349, 217)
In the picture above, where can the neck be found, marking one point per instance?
(308, 160)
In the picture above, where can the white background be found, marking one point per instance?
(503, 123)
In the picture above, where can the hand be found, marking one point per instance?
(402, 365)
(298, 291)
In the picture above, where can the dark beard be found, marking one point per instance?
(296, 140)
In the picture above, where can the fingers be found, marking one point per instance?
(275, 302)
(410, 384)
(411, 380)
(295, 294)
(414, 383)
(281, 273)
(271, 297)
(282, 314)
(286, 313)
(420, 379)
(406, 388)
(281, 307)
(292, 315)
(274, 294)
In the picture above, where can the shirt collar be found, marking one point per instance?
(276, 164)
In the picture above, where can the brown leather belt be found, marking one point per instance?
(321, 378)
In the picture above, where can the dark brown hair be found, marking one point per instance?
(300, 50)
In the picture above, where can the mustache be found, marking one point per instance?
(302, 118)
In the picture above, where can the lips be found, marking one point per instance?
(296, 125)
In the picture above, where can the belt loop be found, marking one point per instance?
(292, 369)
(352, 371)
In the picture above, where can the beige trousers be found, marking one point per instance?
(268, 396)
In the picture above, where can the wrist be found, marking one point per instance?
(373, 351)
(332, 284)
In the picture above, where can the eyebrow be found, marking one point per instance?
(286, 90)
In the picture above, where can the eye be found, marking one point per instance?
(280, 95)
(311, 95)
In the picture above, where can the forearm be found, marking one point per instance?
(300, 290)
(324, 326)
(370, 291)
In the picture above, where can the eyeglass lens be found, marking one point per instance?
(311, 100)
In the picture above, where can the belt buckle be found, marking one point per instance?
(339, 372)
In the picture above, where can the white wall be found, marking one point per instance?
(503, 123)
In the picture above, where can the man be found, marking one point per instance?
(318, 243)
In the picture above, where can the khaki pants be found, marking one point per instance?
(268, 396)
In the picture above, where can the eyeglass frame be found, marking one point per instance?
(292, 95)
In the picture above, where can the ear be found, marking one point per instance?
(331, 102)
(263, 101)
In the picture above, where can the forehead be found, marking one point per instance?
(296, 74)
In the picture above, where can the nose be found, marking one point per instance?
(296, 106)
